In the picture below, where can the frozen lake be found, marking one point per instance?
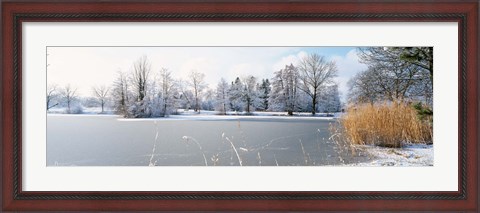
(107, 140)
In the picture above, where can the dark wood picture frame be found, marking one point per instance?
(14, 13)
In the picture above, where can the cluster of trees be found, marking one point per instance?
(65, 97)
(394, 73)
(304, 87)
(307, 86)
(68, 98)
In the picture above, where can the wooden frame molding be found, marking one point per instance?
(15, 13)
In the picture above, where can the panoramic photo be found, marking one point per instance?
(239, 106)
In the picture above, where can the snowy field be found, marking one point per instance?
(205, 114)
(267, 139)
(84, 110)
(409, 155)
(212, 115)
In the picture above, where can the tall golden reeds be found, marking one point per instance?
(385, 124)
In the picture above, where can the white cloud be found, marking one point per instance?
(239, 70)
(348, 65)
(287, 60)
(199, 64)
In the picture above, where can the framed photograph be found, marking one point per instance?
(250, 106)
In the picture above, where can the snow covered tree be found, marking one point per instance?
(88, 101)
(139, 80)
(419, 56)
(291, 85)
(277, 97)
(197, 82)
(120, 94)
(314, 72)
(330, 100)
(185, 97)
(235, 95)
(69, 94)
(52, 95)
(167, 91)
(141, 72)
(264, 94)
(303, 104)
(393, 77)
(101, 93)
(284, 95)
(249, 93)
(221, 96)
(363, 88)
(208, 102)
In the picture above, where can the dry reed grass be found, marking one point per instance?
(385, 124)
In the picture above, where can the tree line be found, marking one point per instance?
(306, 86)
(393, 73)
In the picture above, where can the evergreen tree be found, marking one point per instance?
(235, 95)
(264, 94)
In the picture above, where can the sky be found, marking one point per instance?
(87, 67)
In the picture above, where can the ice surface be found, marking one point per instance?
(198, 140)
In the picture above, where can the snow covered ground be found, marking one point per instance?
(205, 115)
(258, 113)
(184, 113)
(408, 155)
(84, 110)
(212, 116)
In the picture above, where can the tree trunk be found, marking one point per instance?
(196, 101)
(314, 104)
(197, 108)
(165, 109)
(431, 71)
(122, 104)
(141, 94)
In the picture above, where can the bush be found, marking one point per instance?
(76, 109)
(424, 112)
(386, 124)
(139, 109)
